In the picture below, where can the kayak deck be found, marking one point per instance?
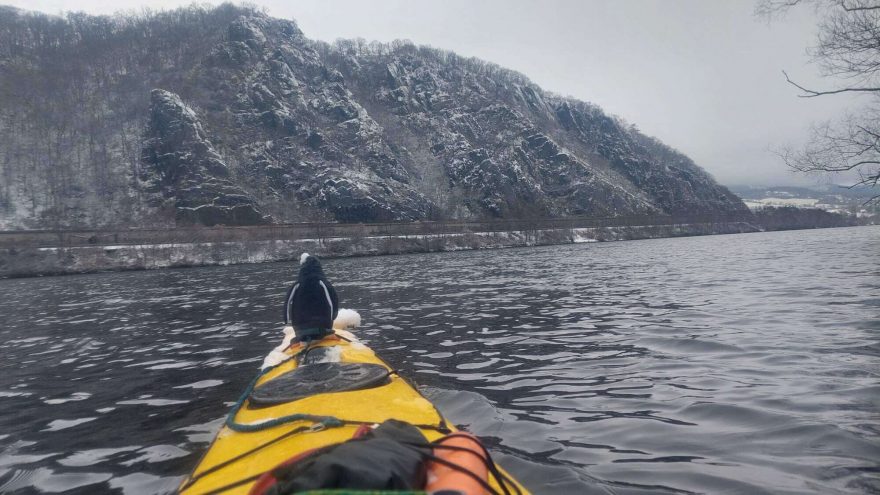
(236, 458)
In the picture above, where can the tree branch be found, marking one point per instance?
(845, 7)
(810, 93)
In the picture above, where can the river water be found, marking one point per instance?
(724, 364)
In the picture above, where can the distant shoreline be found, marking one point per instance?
(32, 261)
(21, 261)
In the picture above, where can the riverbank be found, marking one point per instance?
(62, 260)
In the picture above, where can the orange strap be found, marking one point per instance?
(441, 477)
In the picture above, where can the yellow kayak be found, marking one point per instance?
(275, 420)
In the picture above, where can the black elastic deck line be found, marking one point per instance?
(214, 469)
(490, 464)
(295, 431)
(502, 479)
(441, 427)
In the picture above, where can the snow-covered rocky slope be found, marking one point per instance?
(227, 116)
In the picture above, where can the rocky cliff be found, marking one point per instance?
(185, 174)
(228, 116)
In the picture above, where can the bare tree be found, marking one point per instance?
(847, 50)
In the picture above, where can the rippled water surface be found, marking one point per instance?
(724, 364)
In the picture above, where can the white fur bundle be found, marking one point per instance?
(277, 355)
(347, 319)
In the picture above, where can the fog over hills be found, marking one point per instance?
(228, 116)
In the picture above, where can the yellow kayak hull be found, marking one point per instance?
(395, 400)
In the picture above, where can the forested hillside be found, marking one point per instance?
(228, 116)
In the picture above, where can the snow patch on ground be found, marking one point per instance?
(799, 202)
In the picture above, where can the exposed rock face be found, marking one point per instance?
(184, 168)
(257, 123)
(299, 134)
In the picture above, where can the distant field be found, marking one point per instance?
(799, 202)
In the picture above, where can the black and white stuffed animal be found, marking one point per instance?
(312, 304)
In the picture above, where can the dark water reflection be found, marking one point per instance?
(724, 364)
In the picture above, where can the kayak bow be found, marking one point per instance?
(305, 403)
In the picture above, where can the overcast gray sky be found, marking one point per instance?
(704, 76)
